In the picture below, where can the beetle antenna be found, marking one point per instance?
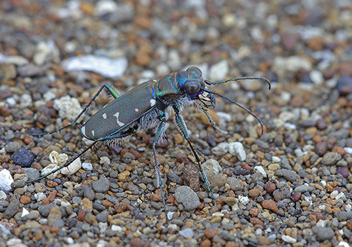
(239, 79)
(240, 106)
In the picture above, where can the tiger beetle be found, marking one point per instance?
(149, 105)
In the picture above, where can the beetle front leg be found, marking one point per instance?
(158, 134)
(183, 129)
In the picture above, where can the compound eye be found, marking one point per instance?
(195, 71)
(192, 87)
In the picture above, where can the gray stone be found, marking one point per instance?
(235, 184)
(102, 185)
(323, 233)
(187, 197)
(12, 209)
(291, 176)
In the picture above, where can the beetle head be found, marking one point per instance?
(191, 82)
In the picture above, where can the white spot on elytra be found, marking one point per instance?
(117, 119)
(136, 110)
(92, 132)
(152, 102)
(83, 130)
(104, 116)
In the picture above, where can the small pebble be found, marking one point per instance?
(187, 197)
(23, 158)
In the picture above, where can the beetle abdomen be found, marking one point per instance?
(120, 113)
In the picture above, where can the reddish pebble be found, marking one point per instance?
(121, 207)
(339, 150)
(254, 212)
(246, 167)
(256, 221)
(45, 201)
(81, 215)
(254, 193)
(27, 139)
(270, 204)
(321, 148)
(349, 225)
(51, 184)
(38, 235)
(210, 232)
(25, 199)
(182, 158)
(52, 196)
(321, 124)
(296, 196)
(270, 187)
(136, 242)
(4, 111)
(205, 243)
(156, 197)
(54, 229)
(343, 171)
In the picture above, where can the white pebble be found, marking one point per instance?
(224, 146)
(26, 101)
(87, 166)
(106, 66)
(48, 169)
(243, 199)
(169, 215)
(116, 228)
(224, 116)
(11, 101)
(39, 196)
(186, 233)
(288, 239)
(348, 150)
(219, 71)
(58, 159)
(68, 107)
(321, 223)
(24, 212)
(317, 77)
(2, 195)
(104, 160)
(275, 159)
(344, 244)
(334, 194)
(49, 96)
(72, 168)
(260, 170)
(236, 149)
(212, 166)
(105, 7)
(5, 180)
(103, 226)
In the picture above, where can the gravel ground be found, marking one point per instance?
(291, 186)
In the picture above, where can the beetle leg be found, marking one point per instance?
(65, 165)
(183, 129)
(107, 86)
(158, 134)
(90, 146)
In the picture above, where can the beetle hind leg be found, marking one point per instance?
(106, 86)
